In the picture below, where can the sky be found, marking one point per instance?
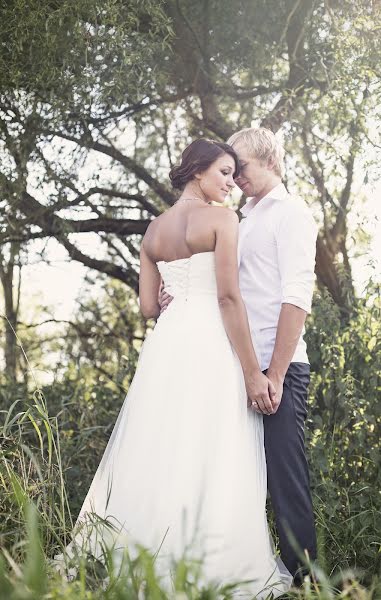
(368, 262)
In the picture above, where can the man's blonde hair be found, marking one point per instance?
(262, 144)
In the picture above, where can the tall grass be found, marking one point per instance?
(36, 523)
(38, 496)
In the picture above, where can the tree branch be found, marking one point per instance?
(298, 80)
(141, 173)
(128, 276)
(52, 224)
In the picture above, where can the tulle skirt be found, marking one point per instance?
(184, 471)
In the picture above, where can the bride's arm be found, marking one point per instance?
(149, 285)
(233, 310)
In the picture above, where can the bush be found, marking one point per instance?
(344, 431)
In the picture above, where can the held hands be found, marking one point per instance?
(264, 392)
(260, 391)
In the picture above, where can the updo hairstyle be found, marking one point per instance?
(197, 157)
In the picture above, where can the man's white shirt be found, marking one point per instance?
(276, 257)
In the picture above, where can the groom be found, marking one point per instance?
(276, 253)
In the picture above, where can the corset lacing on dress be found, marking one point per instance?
(191, 276)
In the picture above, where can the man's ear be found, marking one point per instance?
(270, 164)
(197, 176)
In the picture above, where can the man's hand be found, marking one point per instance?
(164, 299)
(260, 391)
(277, 380)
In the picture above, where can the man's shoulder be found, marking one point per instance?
(294, 206)
(294, 201)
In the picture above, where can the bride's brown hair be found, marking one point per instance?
(197, 157)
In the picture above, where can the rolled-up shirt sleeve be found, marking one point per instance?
(296, 247)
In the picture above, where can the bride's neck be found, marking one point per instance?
(193, 191)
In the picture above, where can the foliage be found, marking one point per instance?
(98, 98)
(138, 578)
(345, 430)
(73, 48)
(105, 336)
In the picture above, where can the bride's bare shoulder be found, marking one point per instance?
(156, 222)
(150, 232)
(222, 214)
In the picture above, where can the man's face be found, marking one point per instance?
(254, 176)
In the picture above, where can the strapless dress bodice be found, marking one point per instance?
(191, 276)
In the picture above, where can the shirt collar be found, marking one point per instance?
(277, 193)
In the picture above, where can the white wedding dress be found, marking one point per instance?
(185, 466)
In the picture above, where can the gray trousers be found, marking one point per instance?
(287, 469)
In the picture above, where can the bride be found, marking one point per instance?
(185, 468)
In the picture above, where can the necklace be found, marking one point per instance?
(188, 199)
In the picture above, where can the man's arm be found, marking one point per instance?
(296, 246)
(290, 327)
(164, 299)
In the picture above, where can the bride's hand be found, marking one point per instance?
(260, 390)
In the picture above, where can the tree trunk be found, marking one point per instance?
(11, 307)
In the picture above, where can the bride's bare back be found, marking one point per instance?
(189, 227)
